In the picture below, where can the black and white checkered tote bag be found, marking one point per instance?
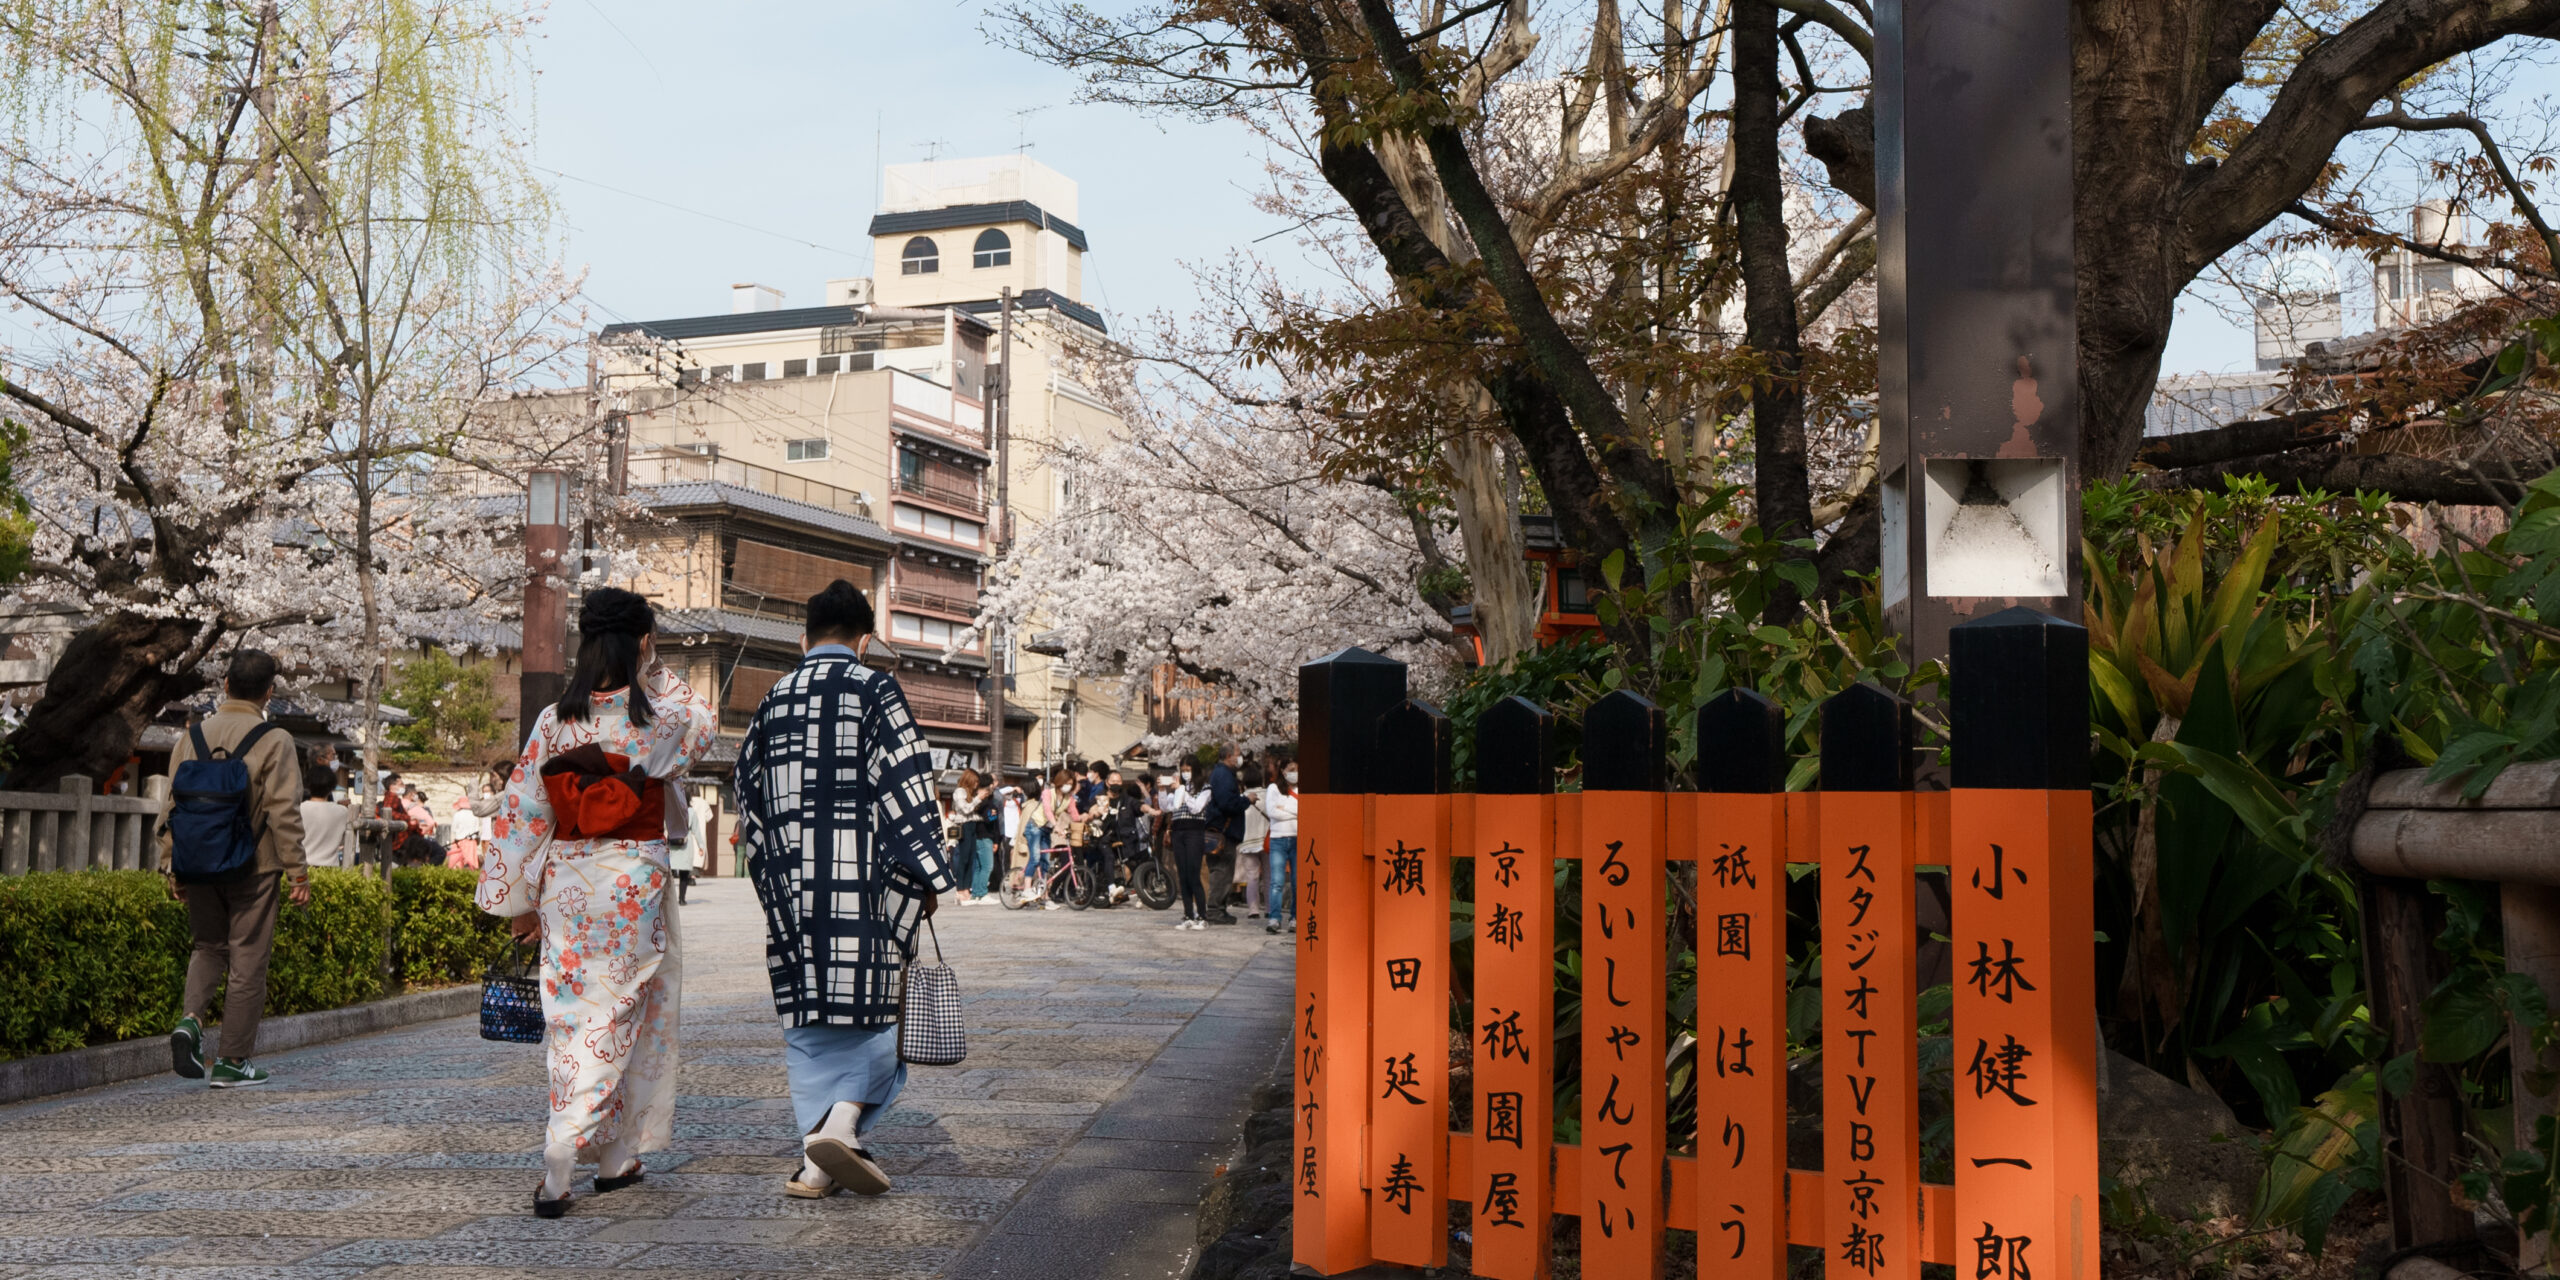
(930, 1033)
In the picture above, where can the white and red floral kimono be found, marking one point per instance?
(612, 963)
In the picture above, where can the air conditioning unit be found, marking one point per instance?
(854, 292)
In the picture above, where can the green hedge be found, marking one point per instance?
(96, 956)
(443, 936)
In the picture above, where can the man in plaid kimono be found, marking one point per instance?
(838, 827)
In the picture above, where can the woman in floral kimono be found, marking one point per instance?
(577, 853)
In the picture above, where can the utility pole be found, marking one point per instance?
(546, 602)
(1001, 524)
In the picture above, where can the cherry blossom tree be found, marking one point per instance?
(270, 330)
(1214, 536)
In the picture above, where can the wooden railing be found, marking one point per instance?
(923, 598)
(74, 829)
(960, 497)
(946, 708)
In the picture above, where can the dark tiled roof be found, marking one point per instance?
(972, 215)
(1037, 300)
(714, 493)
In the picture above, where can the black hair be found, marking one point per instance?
(1098, 769)
(1135, 790)
(252, 674)
(611, 624)
(318, 781)
(840, 613)
(1251, 776)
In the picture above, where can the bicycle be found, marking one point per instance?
(1067, 882)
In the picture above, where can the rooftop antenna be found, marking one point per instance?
(933, 149)
(1022, 126)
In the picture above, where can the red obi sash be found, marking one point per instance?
(599, 795)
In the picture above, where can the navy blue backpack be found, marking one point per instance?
(213, 829)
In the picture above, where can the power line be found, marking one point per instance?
(762, 231)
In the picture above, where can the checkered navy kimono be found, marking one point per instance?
(837, 825)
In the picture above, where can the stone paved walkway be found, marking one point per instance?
(413, 1153)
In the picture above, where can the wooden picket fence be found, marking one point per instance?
(1378, 1160)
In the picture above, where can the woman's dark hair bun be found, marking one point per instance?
(614, 611)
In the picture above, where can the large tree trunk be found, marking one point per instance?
(110, 681)
(1497, 564)
(1782, 481)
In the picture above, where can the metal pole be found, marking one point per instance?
(1001, 525)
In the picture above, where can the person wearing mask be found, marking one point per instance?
(838, 830)
(684, 845)
(1249, 855)
(972, 809)
(232, 919)
(1280, 806)
(578, 858)
(1187, 826)
(324, 820)
(1039, 817)
(1225, 812)
(1009, 839)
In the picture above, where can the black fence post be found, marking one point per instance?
(1341, 698)
(1515, 749)
(1624, 747)
(1413, 751)
(1742, 744)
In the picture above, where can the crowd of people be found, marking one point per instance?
(1221, 831)
(581, 842)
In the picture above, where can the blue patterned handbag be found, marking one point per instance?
(511, 1002)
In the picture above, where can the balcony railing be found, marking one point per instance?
(938, 601)
(962, 497)
(676, 465)
(946, 708)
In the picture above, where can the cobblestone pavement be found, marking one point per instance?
(413, 1153)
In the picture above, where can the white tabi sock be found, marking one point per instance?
(813, 1177)
(839, 1124)
(614, 1160)
(559, 1167)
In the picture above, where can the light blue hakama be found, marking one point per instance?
(829, 1065)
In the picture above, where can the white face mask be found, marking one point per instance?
(1291, 776)
(1186, 775)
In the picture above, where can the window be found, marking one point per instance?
(933, 631)
(920, 258)
(910, 467)
(934, 524)
(1572, 594)
(795, 368)
(803, 450)
(994, 249)
(751, 372)
(829, 364)
(688, 379)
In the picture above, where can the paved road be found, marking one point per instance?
(1110, 1062)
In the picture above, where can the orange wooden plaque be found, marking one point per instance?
(1331, 1230)
(1870, 1037)
(2025, 1035)
(1740, 843)
(1623, 1089)
(1515, 1043)
(1409, 1031)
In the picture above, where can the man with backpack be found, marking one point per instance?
(231, 839)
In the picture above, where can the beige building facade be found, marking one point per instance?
(785, 446)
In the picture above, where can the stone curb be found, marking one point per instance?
(52, 1073)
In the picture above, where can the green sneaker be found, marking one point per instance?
(233, 1073)
(186, 1048)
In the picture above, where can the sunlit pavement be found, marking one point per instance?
(1111, 1059)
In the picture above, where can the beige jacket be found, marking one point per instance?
(275, 782)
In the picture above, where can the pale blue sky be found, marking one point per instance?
(765, 114)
